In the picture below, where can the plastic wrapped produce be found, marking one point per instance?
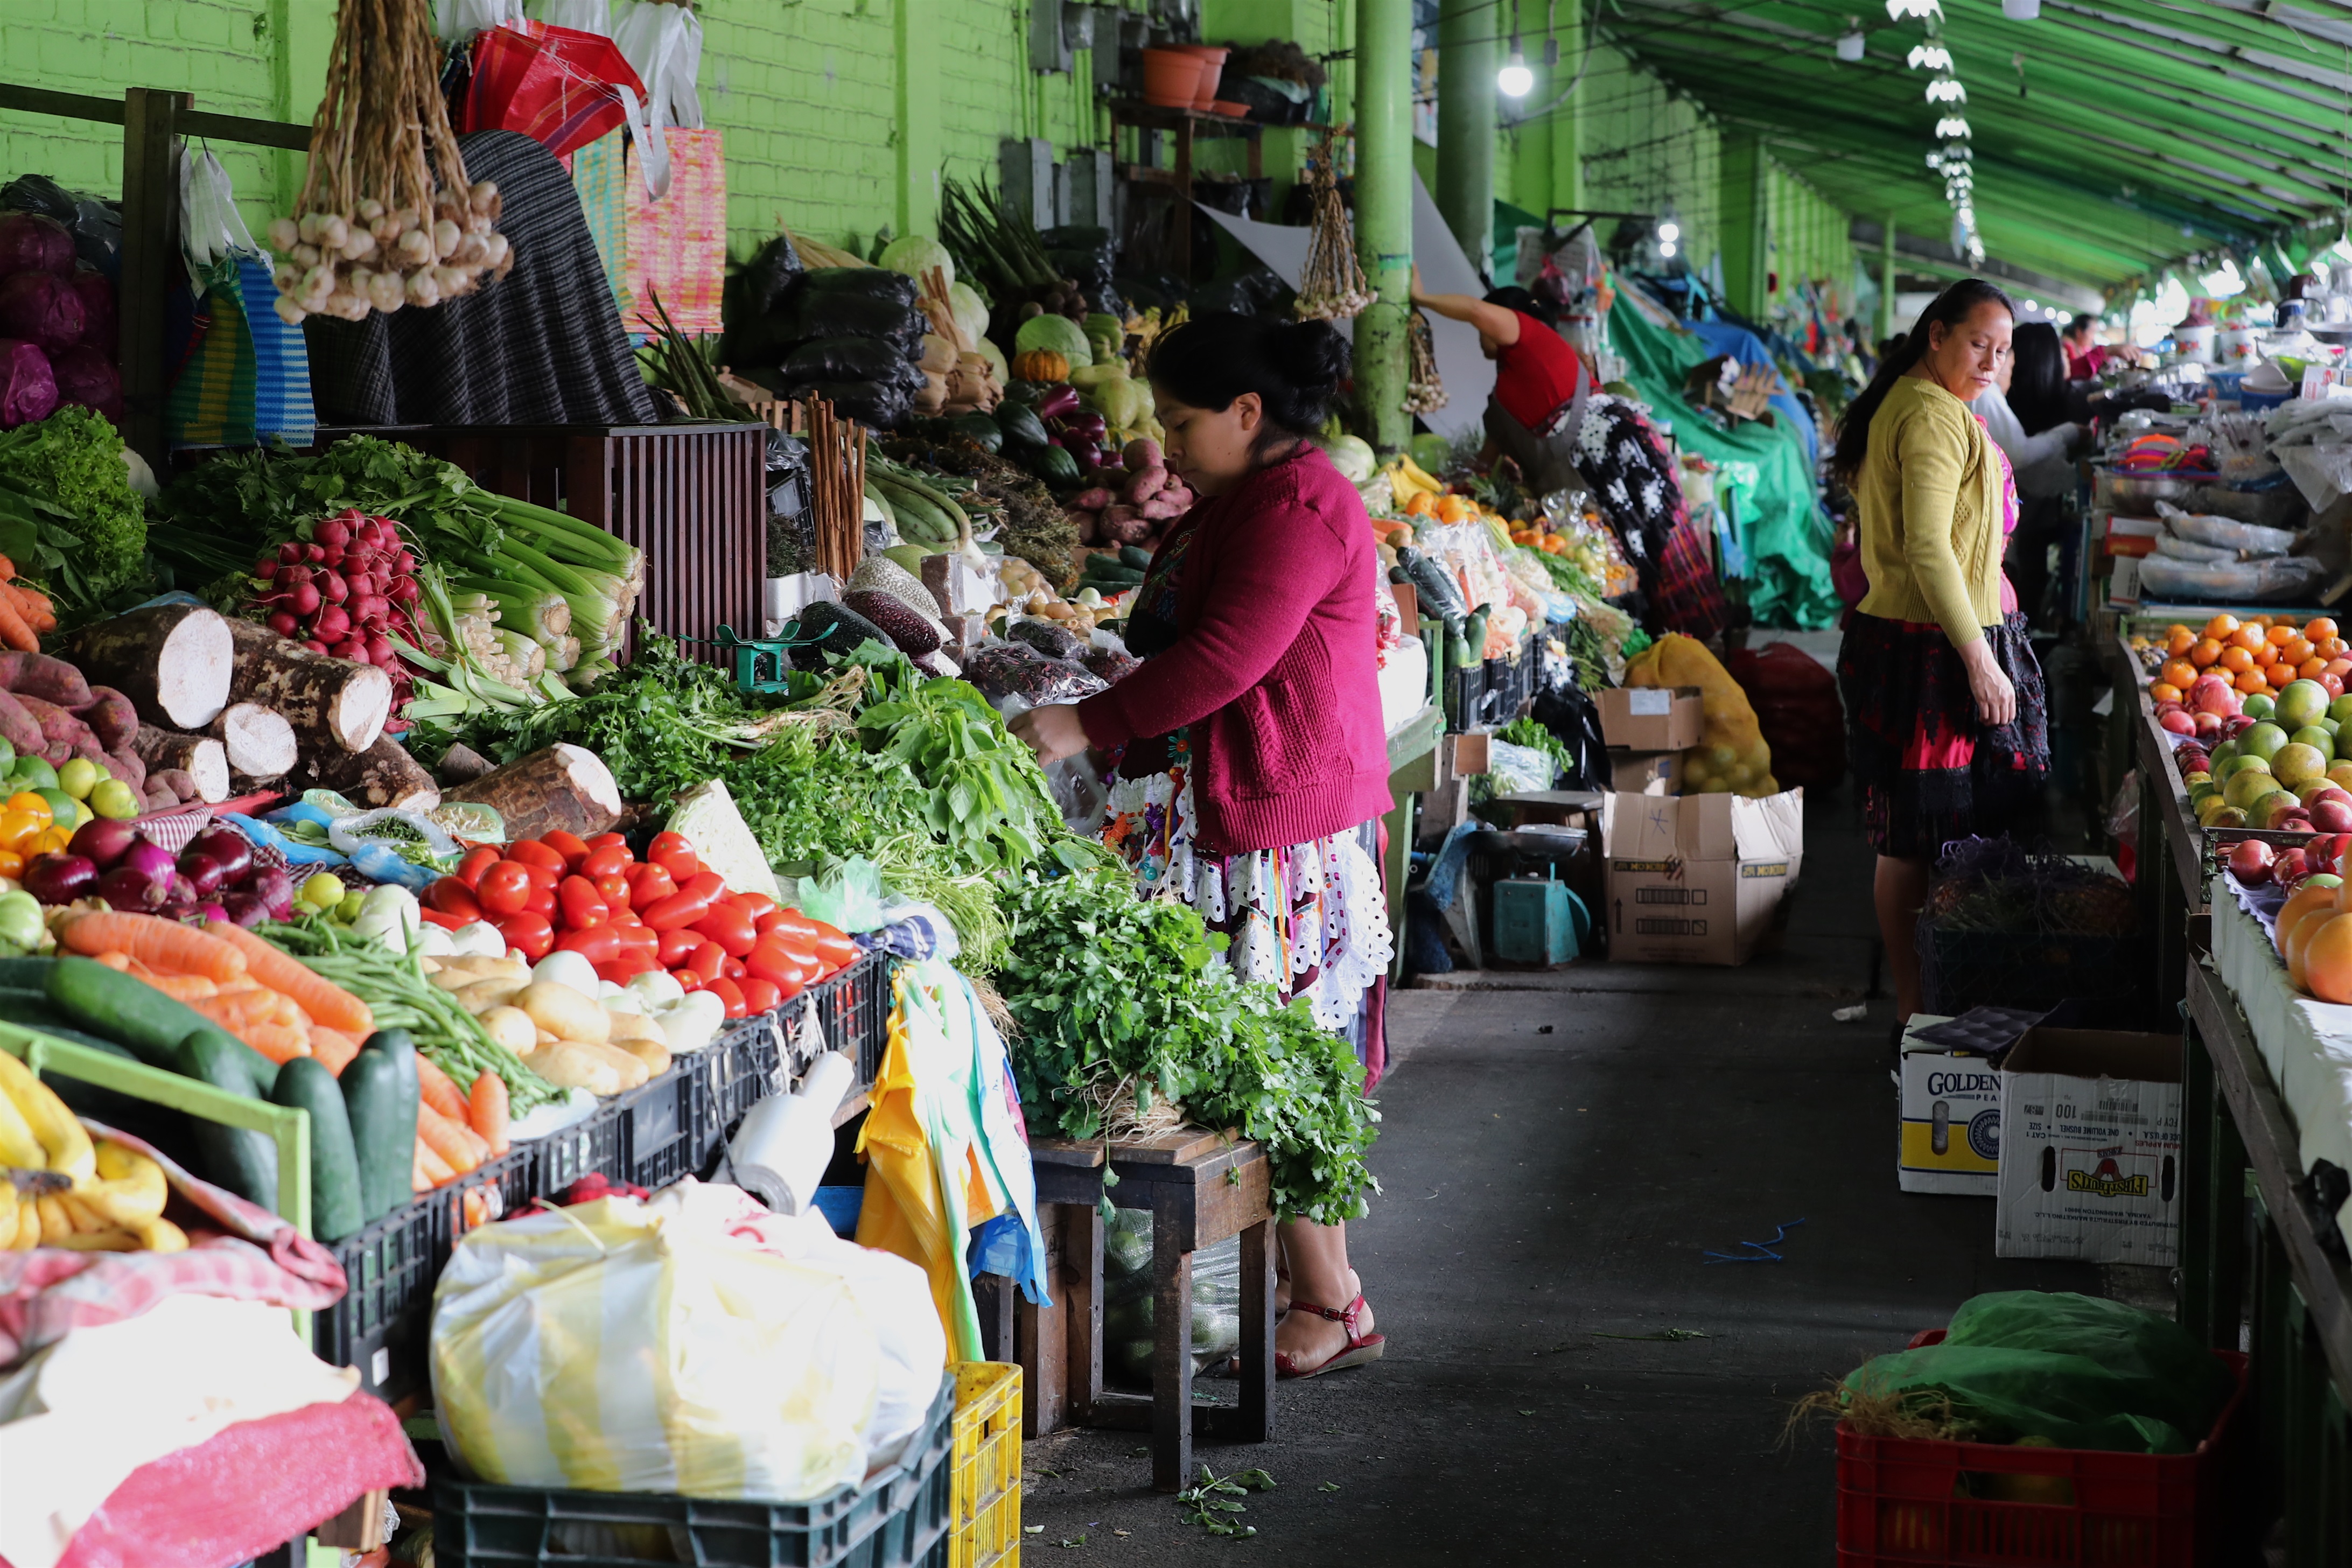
(879, 405)
(853, 359)
(2272, 579)
(35, 242)
(1053, 641)
(1009, 670)
(2243, 539)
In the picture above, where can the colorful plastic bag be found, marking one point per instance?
(246, 375)
(673, 245)
(560, 87)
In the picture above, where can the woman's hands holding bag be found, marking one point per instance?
(1053, 732)
(1996, 697)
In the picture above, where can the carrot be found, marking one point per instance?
(279, 1043)
(490, 1104)
(235, 1010)
(121, 961)
(325, 1001)
(452, 1141)
(160, 944)
(15, 632)
(333, 1048)
(179, 987)
(430, 1168)
(34, 606)
(285, 1011)
(441, 1092)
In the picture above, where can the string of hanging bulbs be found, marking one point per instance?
(1518, 79)
(1951, 158)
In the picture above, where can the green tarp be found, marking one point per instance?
(1763, 469)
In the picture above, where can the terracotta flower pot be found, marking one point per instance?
(1171, 78)
(1212, 70)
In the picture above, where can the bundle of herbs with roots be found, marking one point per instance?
(372, 229)
(1331, 286)
(1424, 392)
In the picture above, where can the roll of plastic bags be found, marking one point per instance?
(2269, 579)
(2245, 538)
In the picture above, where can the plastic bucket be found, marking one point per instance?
(1212, 71)
(1171, 78)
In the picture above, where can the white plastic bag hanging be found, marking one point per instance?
(663, 44)
(457, 21)
(584, 15)
(210, 226)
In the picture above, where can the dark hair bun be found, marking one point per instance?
(1295, 368)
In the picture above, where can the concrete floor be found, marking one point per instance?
(1554, 1163)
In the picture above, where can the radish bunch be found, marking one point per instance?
(347, 592)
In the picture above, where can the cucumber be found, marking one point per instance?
(1135, 555)
(26, 974)
(243, 1162)
(114, 1006)
(379, 1098)
(1440, 595)
(336, 1208)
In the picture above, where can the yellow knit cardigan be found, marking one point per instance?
(1929, 499)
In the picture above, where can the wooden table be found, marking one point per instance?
(1200, 1188)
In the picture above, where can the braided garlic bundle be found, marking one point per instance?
(1331, 286)
(1424, 392)
(371, 230)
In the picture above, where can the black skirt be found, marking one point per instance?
(1930, 771)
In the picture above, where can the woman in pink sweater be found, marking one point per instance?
(1253, 761)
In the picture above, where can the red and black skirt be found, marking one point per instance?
(1929, 770)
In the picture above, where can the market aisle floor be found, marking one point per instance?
(1556, 1163)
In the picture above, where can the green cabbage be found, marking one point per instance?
(1352, 456)
(918, 253)
(1059, 334)
(970, 310)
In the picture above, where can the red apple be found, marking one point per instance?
(2290, 868)
(2180, 723)
(2333, 821)
(2235, 725)
(2207, 723)
(2331, 683)
(2250, 861)
(2213, 695)
(2169, 706)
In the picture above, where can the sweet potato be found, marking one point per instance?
(57, 726)
(110, 716)
(1141, 453)
(1089, 525)
(1162, 507)
(20, 729)
(124, 764)
(50, 680)
(1091, 500)
(178, 783)
(1146, 484)
(1125, 525)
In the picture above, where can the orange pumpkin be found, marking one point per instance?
(1041, 365)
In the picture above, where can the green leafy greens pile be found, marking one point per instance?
(1108, 988)
(69, 517)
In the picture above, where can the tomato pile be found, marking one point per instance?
(627, 916)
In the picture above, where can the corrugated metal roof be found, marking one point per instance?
(2111, 136)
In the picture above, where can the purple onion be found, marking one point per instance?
(210, 912)
(202, 874)
(103, 840)
(151, 861)
(60, 877)
(226, 848)
(125, 889)
(275, 889)
(244, 909)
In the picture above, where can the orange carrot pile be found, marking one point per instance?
(264, 997)
(25, 612)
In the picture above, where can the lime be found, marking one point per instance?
(322, 891)
(32, 772)
(78, 777)
(2259, 705)
(64, 809)
(7, 757)
(113, 799)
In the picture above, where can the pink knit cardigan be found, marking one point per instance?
(1274, 665)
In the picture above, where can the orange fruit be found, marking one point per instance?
(2308, 922)
(2251, 682)
(2247, 637)
(2329, 647)
(2295, 649)
(2319, 627)
(2310, 669)
(2280, 674)
(2164, 691)
(2236, 660)
(2181, 641)
(2281, 635)
(2220, 625)
(2299, 904)
(2327, 961)
(2179, 672)
(2203, 652)
(2266, 655)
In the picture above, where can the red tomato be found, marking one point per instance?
(531, 852)
(728, 992)
(541, 876)
(673, 853)
(447, 922)
(792, 919)
(633, 961)
(772, 961)
(528, 933)
(709, 884)
(582, 905)
(765, 923)
(649, 885)
(504, 889)
(476, 861)
(597, 944)
(688, 979)
(610, 861)
(753, 904)
(452, 896)
(729, 928)
(760, 996)
(541, 902)
(677, 946)
(680, 909)
(635, 933)
(598, 841)
(710, 960)
(570, 845)
(837, 952)
(614, 891)
(731, 968)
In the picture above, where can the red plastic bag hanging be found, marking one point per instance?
(558, 86)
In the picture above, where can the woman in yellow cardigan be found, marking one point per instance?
(1944, 705)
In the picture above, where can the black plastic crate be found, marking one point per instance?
(1463, 692)
(381, 1325)
(854, 1008)
(1509, 686)
(589, 1147)
(900, 1518)
(1963, 969)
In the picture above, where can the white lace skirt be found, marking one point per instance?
(1311, 920)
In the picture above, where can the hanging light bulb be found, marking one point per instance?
(1515, 80)
(1919, 10)
(1665, 248)
(1851, 42)
(1930, 56)
(1669, 231)
(1947, 90)
(1952, 127)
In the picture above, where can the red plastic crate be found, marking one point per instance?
(1897, 1502)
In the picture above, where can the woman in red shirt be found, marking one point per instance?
(1253, 757)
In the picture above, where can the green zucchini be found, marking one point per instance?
(979, 429)
(1054, 464)
(336, 1209)
(243, 1162)
(380, 1098)
(1135, 555)
(906, 480)
(111, 1005)
(917, 517)
(26, 974)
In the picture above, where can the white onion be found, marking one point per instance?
(358, 246)
(445, 239)
(286, 276)
(482, 194)
(370, 210)
(305, 255)
(307, 231)
(332, 233)
(416, 248)
(423, 289)
(494, 250)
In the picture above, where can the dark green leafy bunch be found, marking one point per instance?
(985, 797)
(1106, 989)
(69, 517)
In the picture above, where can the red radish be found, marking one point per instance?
(405, 591)
(283, 623)
(291, 552)
(332, 624)
(315, 645)
(373, 611)
(266, 567)
(314, 553)
(361, 584)
(334, 533)
(379, 650)
(351, 648)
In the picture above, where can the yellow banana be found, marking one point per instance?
(18, 1147)
(8, 1211)
(53, 1126)
(129, 1187)
(98, 1241)
(160, 1235)
(56, 1224)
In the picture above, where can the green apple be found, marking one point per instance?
(2258, 705)
(78, 777)
(2262, 740)
(2317, 739)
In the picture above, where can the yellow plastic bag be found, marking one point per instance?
(627, 1346)
(1731, 756)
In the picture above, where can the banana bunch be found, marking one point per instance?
(57, 1189)
(1407, 479)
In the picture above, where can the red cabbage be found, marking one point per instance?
(27, 390)
(98, 329)
(40, 308)
(33, 242)
(84, 376)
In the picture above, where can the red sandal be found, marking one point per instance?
(1359, 1349)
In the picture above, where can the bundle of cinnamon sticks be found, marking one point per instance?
(836, 488)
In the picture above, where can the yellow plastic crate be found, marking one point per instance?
(987, 1462)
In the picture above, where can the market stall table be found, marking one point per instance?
(2169, 874)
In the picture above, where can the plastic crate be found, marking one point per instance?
(1899, 1500)
(854, 1008)
(382, 1324)
(1963, 969)
(898, 1519)
(987, 1464)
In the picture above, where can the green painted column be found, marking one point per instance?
(1743, 206)
(1566, 121)
(1467, 56)
(919, 91)
(1886, 279)
(1384, 214)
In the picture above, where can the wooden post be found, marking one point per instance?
(151, 263)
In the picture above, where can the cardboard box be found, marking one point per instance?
(1646, 773)
(1949, 1129)
(1650, 718)
(2133, 536)
(1698, 879)
(2091, 1147)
